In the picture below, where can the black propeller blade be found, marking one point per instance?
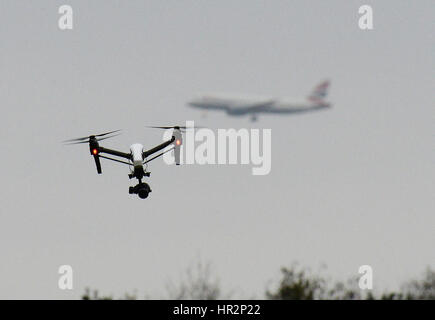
(86, 139)
(183, 128)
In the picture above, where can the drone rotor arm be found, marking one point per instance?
(116, 160)
(159, 155)
(149, 152)
(115, 153)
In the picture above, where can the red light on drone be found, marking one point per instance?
(178, 142)
(94, 152)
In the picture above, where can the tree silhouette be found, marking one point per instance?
(298, 285)
(197, 284)
(301, 285)
(422, 289)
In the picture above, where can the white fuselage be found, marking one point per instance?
(245, 105)
(241, 105)
(136, 151)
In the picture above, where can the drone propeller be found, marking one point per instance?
(87, 139)
(181, 128)
(178, 138)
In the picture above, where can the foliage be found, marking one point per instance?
(301, 285)
(296, 283)
(196, 284)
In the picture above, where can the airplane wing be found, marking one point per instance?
(257, 106)
(234, 104)
(294, 109)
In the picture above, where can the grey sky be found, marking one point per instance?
(349, 186)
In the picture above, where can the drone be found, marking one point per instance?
(136, 159)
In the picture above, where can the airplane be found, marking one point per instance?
(136, 158)
(240, 106)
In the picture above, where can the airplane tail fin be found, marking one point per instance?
(320, 92)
